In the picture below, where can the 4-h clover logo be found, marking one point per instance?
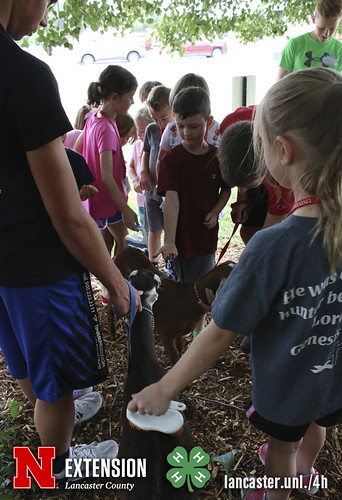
(191, 470)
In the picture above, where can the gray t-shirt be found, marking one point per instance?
(151, 146)
(283, 291)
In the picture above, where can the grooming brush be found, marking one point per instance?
(170, 423)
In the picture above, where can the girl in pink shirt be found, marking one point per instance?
(102, 150)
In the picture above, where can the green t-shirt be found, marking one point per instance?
(304, 52)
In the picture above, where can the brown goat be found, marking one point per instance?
(144, 370)
(176, 311)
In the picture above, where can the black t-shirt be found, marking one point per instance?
(31, 115)
(80, 168)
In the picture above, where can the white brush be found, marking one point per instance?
(170, 423)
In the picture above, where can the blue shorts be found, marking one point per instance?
(103, 223)
(51, 334)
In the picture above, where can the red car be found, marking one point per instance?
(206, 48)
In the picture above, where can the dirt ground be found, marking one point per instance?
(215, 413)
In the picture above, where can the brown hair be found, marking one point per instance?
(158, 97)
(80, 117)
(124, 124)
(188, 80)
(112, 79)
(329, 8)
(146, 88)
(192, 101)
(236, 155)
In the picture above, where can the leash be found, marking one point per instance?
(131, 319)
(224, 249)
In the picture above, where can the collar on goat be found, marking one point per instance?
(151, 313)
(198, 296)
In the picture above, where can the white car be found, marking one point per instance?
(107, 47)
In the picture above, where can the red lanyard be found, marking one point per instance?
(312, 200)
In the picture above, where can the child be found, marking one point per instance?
(194, 192)
(102, 151)
(126, 128)
(318, 48)
(146, 88)
(170, 136)
(72, 136)
(127, 132)
(142, 120)
(291, 274)
(45, 305)
(261, 202)
(158, 105)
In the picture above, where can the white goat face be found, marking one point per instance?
(148, 282)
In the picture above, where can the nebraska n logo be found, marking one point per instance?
(42, 472)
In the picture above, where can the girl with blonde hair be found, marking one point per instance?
(291, 274)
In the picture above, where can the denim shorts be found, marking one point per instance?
(51, 334)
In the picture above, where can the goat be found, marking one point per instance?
(176, 311)
(131, 259)
(144, 370)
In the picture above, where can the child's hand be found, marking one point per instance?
(210, 298)
(168, 251)
(88, 191)
(130, 218)
(210, 220)
(145, 181)
(150, 400)
(136, 186)
(240, 211)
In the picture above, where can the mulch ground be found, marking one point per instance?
(215, 413)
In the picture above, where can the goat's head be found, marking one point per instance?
(148, 282)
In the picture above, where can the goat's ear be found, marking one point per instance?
(133, 273)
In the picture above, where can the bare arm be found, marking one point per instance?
(281, 73)
(161, 155)
(79, 143)
(203, 351)
(210, 220)
(130, 218)
(171, 211)
(132, 174)
(53, 176)
(145, 180)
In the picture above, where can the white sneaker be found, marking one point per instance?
(87, 406)
(136, 241)
(105, 449)
(78, 393)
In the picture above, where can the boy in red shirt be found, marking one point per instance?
(194, 191)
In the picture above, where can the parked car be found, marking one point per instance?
(205, 48)
(107, 47)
